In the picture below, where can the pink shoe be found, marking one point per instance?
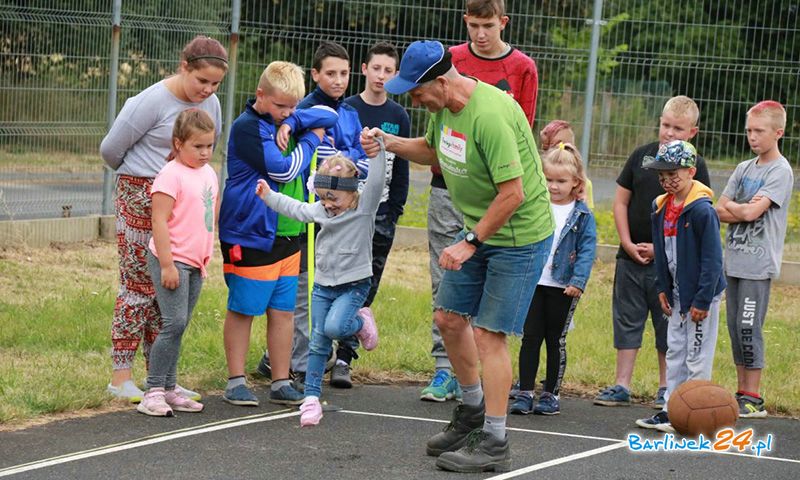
(368, 335)
(310, 412)
(154, 404)
(180, 403)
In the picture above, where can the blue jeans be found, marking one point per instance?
(333, 316)
(495, 286)
(381, 245)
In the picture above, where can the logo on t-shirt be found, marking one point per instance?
(208, 203)
(453, 144)
(390, 127)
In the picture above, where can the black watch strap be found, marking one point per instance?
(472, 239)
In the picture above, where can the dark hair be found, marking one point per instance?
(383, 48)
(204, 51)
(486, 8)
(328, 49)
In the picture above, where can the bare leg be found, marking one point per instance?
(280, 331)
(118, 377)
(236, 335)
(460, 345)
(496, 363)
(626, 358)
(749, 379)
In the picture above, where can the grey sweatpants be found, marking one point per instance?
(444, 223)
(690, 346)
(176, 309)
(747, 302)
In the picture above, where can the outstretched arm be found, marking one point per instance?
(415, 150)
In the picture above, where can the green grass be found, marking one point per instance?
(55, 314)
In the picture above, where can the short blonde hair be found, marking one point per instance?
(683, 106)
(772, 110)
(284, 77)
(566, 156)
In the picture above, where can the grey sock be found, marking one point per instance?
(473, 394)
(234, 382)
(443, 363)
(495, 425)
(277, 384)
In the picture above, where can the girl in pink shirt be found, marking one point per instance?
(184, 199)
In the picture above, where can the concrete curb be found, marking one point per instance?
(43, 232)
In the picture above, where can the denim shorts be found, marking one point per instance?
(495, 286)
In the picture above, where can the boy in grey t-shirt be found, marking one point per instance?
(755, 204)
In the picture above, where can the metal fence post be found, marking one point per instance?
(586, 137)
(230, 94)
(116, 21)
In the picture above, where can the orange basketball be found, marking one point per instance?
(700, 406)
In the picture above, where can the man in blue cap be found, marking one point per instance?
(482, 141)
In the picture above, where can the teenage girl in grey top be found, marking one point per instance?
(343, 261)
(136, 147)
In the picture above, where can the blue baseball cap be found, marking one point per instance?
(423, 61)
(672, 156)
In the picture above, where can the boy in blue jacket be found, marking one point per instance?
(260, 249)
(330, 70)
(688, 258)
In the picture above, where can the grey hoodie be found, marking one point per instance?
(344, 244)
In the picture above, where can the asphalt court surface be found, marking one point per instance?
(380, 433)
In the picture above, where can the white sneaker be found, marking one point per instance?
(127, 391)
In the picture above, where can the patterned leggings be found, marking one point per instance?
(136, 314)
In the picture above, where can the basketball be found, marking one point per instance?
(700, 406)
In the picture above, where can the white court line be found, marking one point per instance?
(160, 438)
(559, 461)
(617, 441)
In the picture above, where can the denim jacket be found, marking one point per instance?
(575, 248)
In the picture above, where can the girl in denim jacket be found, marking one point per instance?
(563, 280)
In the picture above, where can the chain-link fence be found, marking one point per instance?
(57, 56)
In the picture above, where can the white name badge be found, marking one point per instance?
(453, 145)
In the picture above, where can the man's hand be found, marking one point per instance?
(662, 299)
(368, 142)
(455, 255)
(697, 314)
(282, 137)
(170, 278)
(573, 291)
(262, 189)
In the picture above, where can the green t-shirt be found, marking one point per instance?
(289, 227)
(490, 142)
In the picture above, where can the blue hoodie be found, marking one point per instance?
(252, 154)
(346, 132)
(699, 250)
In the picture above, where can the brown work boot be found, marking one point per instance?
(482, 452)
(466, 418)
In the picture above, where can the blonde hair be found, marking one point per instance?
(189, 123)
(772, 110)
(683, 106)
(284, 77)
(340, 166)
(566, 156)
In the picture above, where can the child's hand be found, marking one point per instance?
(282, 137)
(573, 291)
(662, 299)
(262, 189)
(645, 251)
(697, 314)
(170, 279)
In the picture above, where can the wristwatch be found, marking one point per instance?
(472, 239)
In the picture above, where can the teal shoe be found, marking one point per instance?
(443, 387)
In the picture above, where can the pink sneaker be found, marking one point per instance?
(154, 404)
(179, 403)
(368, 335)
(310, 412)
